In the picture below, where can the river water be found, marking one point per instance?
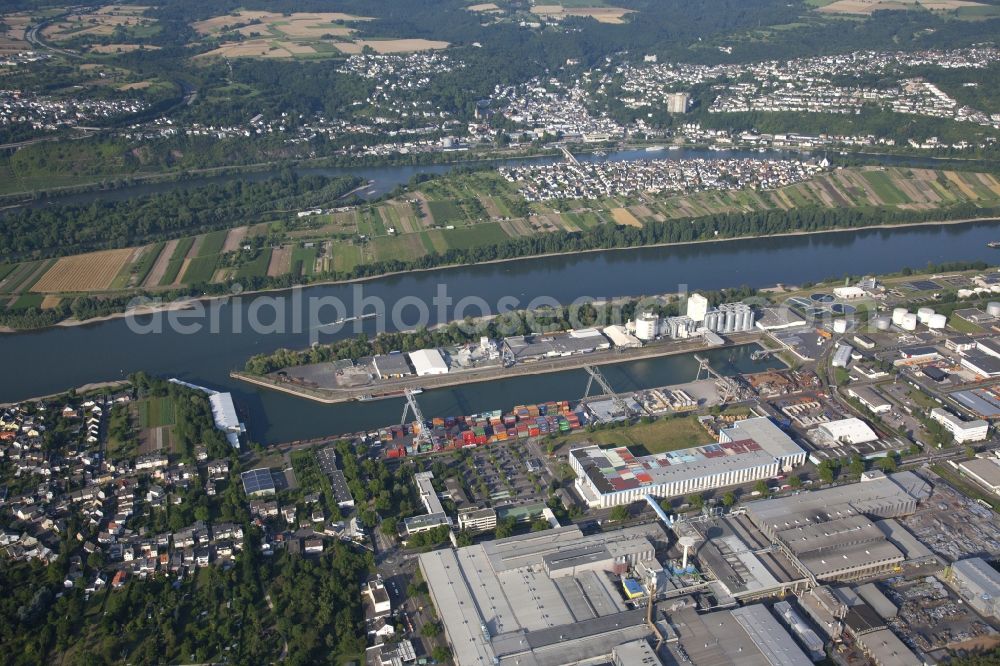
(48, 361)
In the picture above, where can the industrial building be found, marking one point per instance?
(842, 357)
(962, 431)
(620, 337)
(830, 533)
(697, 307)
(647, 326)
(981, 363)
(729, 318)
(979, 585)
(776, 319)
(391, 366)
(428, 362)
(984, 470)
(749, 450)
(748, 636)
(807, 637)
(543, 598)
(842, 432)
(225, 417)
(870, 398)
(529, 348)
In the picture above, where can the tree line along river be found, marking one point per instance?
(48, 361)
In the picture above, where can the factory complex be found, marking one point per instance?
(750, 450)
(562, 597)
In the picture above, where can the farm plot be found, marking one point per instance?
(625, 217)
(178, 260)
(84, 272)
(281, 261)
(256, 267)
(303, 261)
(446, 212)
(159, 269)
(385, 46)
(234, 239)
(199, 269)
(342, 257)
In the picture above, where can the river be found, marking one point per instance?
(48, 361)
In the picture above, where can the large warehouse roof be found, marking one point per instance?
(885, 497)
(500, 603)
(847, 431)
(428, 362)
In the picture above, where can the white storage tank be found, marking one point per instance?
(840, 326)
(908, 322)
(923, 314)
(882, 323)
(646, 326)
(993, 309)
(898, 314)
(937, 321)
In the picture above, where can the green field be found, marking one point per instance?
(5, 270)
(884, 188)
(200, 269)
(345, 257)
(488, 233)
(446, 212)
(212, 243)
(156, 412)
(256, 267)
(665, 434)
(25, 301)
(303, 261)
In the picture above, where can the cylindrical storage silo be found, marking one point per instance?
(730, 321)
(993, 309)
(908, 322)
(923, 314)
(840, 326)
(936, 321)
(882, 323)
(898, 314)
(646, 326)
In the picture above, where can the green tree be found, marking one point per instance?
(619, 513)
(697, 501)
(728, 499)
(795, 481)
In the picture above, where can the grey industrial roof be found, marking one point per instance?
(878, 601)
(388, 365)
(500, 586)
(770, 637)
(978, 576)
(879, 496)
(887, 649)
(532, 346)
(901, 537)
